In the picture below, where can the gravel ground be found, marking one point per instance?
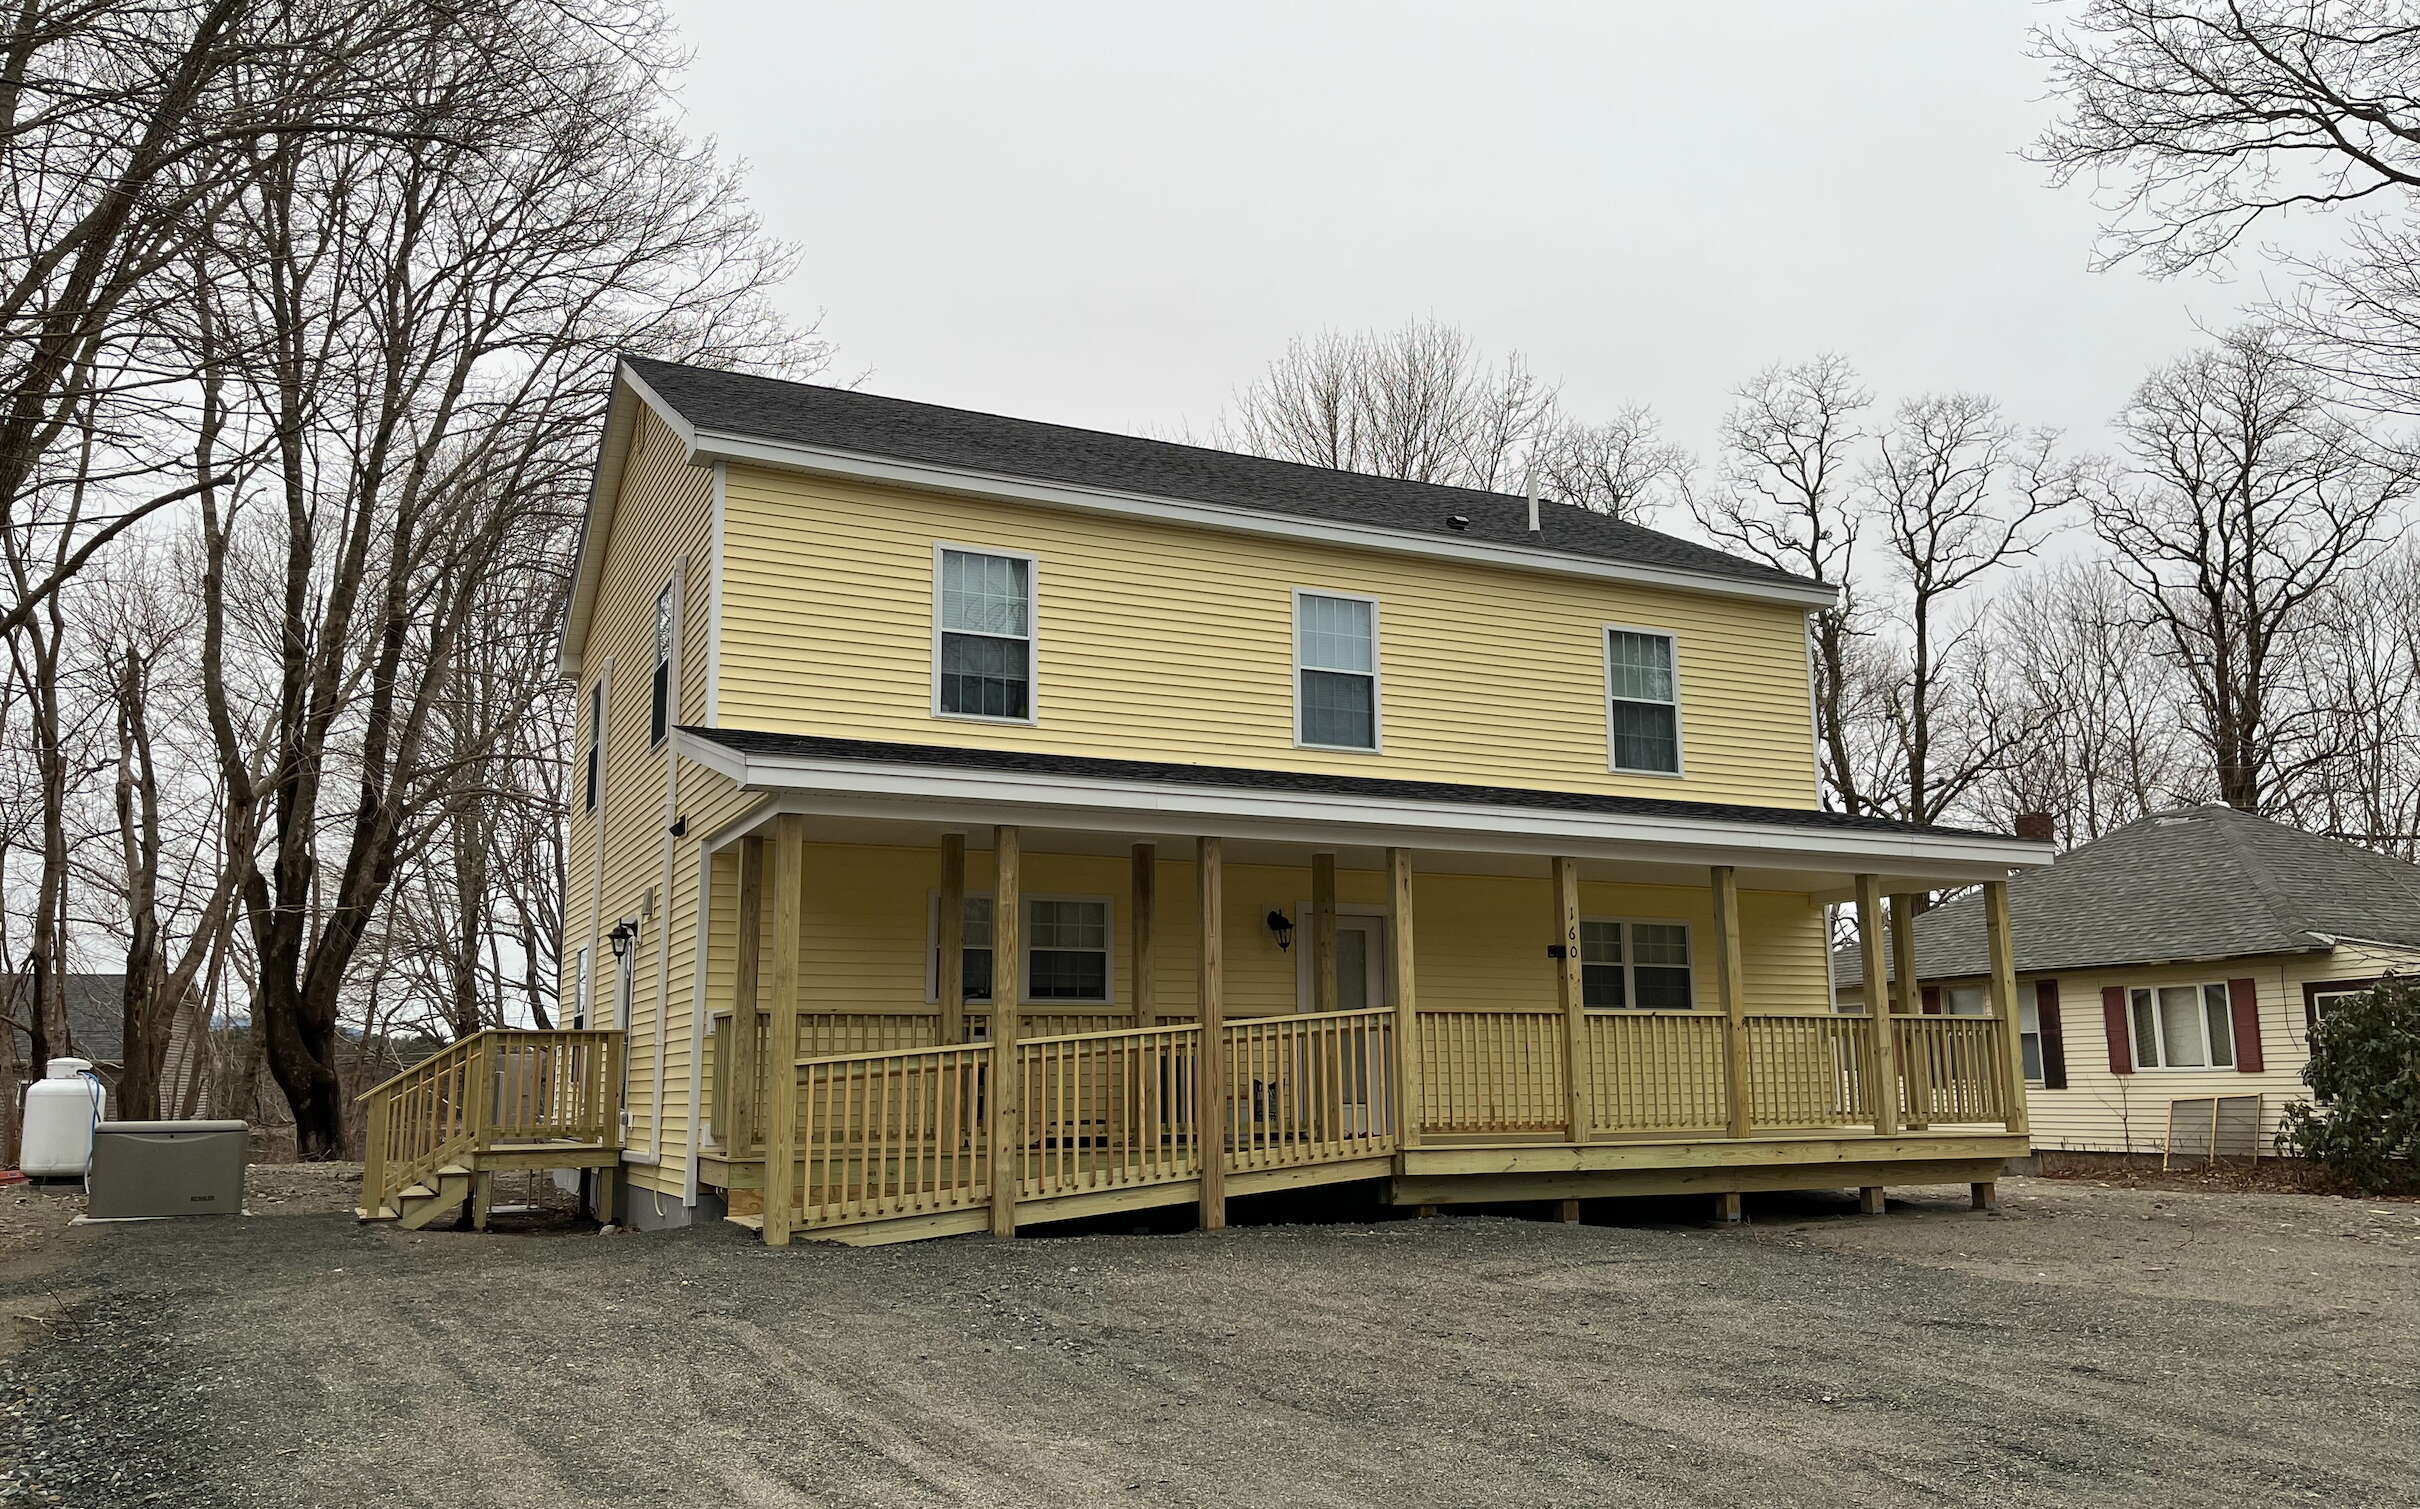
(2090, 1345)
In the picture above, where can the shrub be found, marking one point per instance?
(2364, 1075)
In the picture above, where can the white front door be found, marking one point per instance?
(1361, 964)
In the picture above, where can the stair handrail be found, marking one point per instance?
(461, 1116)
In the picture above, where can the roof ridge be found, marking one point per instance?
(1561, 505)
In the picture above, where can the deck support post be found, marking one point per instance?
(1005, 1114)
(1730, 983)
(1141, 913)
(1407, 1009)
(1573, 998)
(1323, 932)
(374, 1160)
(1730, 1209)
(781, 1046)
(1986, 1194)
(1869, 1200)
(1907, 996)
(2004, 1001)
(1568, 1212)
(747, 1075)
(1210, 1075)
(950, 985)
(1881, 1052)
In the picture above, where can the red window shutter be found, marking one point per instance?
(1932, 1000)
(2054, 1034)
(2243, 1001)
(2113, 1022)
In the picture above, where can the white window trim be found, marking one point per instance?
(2134, 1046)
(1033, 633)
(933, 961)
(2030, 1005)
(1377, 674)
(1630, 965)
(1680, 737)
(664, 655)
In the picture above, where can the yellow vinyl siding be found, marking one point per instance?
(2104, 1112)
(1157, 641)
(1480, 940)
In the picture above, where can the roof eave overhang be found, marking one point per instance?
(865, 788)
(630, 393)
(711, 446)
(2027, 966)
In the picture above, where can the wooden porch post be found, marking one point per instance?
(1908, 998)
(1323, 932)
(1210, 1073)
(1142, 912)
(950, 983)
(1004, 1120)
(781, 1125)
(1573, 998)
(747, 1069)
(1730, 982)
(1407, 1011)
(2004, 999)
(1881, 1053)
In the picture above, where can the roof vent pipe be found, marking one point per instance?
(1533, 500)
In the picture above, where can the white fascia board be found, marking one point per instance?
(931, 477)
(872, 789)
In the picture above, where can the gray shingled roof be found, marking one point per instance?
(737, 403)
(749, 741)
(2194, 883)
(96, 1016)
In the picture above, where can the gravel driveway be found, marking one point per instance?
(2087, 1346)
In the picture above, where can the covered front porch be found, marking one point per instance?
(1216, 1014)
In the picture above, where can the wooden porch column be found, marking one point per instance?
(1730, 984)
(1907, 997)
(1210, 1071)
(2004, 999)
(1407, 1011)
(950, 982)
(747, 1011)
(1142, 912)
(1004, 1120)
(1323, 932)
(781, 1110)
(1881, 1053)
(1573, 998)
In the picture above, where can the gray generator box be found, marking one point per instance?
(166, 1168)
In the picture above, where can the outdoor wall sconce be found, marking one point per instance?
(620, 938)
(1281, 927)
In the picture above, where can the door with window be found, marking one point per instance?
(1361, 985)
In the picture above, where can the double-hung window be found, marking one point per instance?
(1641, 965)
(596, 741)
(2029, 1037)
(983, 636)
(2182, 1027)
(1065, 942)
(659, 692)
(1966, 1000)
(1642, 704)
(1336, 671)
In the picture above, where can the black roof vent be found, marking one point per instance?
(1456, 522)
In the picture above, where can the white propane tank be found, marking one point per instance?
(60, 1110)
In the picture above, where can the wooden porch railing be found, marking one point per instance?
(902, 1132)
(491, 1087)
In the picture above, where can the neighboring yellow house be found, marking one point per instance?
(2170, 973)
(1466, 791)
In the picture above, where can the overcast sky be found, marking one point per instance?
(1113, 214)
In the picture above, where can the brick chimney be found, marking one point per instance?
(2037, 827)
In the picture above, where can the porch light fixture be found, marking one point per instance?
(1281, 927)
(620, 937)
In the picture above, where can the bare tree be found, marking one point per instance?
(2361, 667)
(1623, 466)
(1959, 494)
(2247, 499)
(1785, 497)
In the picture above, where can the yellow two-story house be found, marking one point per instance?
(980, 822)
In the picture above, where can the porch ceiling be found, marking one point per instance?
(911, 795)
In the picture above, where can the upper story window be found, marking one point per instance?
(1336, 671)
(596, 741)
(983, 636)
(1642, 704)
(1642, 965)
(659, 692)
(2182, 1027)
